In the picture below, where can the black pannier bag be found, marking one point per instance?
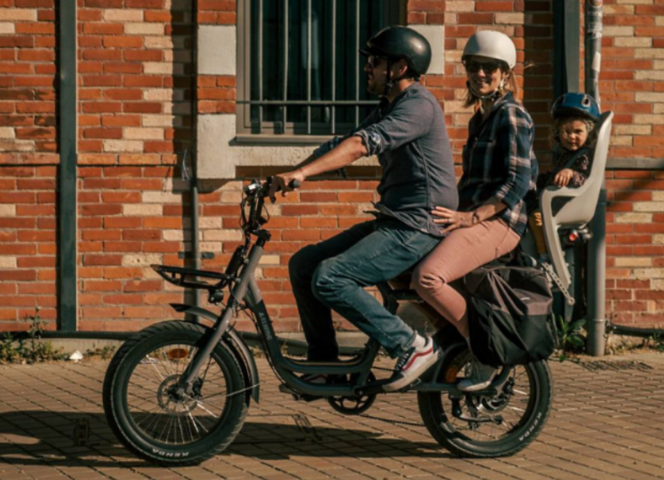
(509, 313)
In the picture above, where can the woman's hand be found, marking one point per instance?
(563, 177)
(452, 219)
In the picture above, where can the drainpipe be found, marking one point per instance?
(195, 245)
(597, 246)
(67, 188)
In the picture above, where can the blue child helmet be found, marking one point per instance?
(575, 104)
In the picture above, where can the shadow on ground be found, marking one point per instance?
(73, 439)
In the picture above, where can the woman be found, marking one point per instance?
(499, 168)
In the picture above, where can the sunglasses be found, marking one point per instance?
(486, 67)
(372, 60)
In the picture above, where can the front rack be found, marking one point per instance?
(178, 276)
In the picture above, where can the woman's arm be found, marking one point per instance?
(514, 135)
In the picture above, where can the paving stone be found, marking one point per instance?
(605, 425)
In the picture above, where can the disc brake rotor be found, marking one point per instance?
(168, 400)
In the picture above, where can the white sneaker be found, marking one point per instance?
(480, 377)
(411, 365)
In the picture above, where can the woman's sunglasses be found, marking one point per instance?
(487, 67)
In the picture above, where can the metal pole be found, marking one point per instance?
(67, 181)
(597, 245)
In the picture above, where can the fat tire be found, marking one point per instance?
(435, 419)
(115, 405)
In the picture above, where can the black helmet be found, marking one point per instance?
(401, 42)
(571, 104)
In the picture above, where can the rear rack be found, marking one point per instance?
(178, 276)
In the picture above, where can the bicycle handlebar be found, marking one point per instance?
(256, 188)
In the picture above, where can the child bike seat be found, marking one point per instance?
(581, 208)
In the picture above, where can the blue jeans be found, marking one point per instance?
(332, 275)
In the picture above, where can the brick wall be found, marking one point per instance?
(135, 115)
(27, 73)
(635, 247)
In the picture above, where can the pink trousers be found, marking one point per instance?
(461, 252)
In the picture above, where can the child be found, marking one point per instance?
(573, 141)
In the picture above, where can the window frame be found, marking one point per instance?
(290, 132)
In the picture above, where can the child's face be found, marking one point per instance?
(573, 134)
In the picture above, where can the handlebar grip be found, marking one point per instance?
(295, 184)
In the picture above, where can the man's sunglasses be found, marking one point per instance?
(487, 67)
(372, 60)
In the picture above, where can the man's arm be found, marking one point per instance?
(343, 155)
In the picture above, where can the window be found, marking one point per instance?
(300, 72)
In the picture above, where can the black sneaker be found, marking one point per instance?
(411, 365)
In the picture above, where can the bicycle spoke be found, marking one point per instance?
(153, 406)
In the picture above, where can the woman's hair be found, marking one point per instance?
(509, 86)
(554, 135)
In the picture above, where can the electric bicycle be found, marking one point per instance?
(179, 392)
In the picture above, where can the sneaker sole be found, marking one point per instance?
(404, 382)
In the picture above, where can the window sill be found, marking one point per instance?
(244, 139)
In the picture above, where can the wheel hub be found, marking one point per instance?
(170, 401)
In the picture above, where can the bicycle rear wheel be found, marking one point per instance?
(145, 411)
(478, 425)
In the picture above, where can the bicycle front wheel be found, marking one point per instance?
(148, 415)
(480, 425)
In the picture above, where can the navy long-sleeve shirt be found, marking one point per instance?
(413, 147)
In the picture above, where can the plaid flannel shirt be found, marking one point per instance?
(499, 162)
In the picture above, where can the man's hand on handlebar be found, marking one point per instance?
(285, 182)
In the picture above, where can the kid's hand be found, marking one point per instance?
(563, 177)
(452, 219)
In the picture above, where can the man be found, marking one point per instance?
(407, 133)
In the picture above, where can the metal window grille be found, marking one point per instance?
(300, 69)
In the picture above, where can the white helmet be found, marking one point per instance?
(492, 44)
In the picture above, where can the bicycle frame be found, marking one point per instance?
(286, 368)
(246, 290)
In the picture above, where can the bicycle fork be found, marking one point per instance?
(185, 383)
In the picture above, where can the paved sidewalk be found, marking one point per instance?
(607, 424)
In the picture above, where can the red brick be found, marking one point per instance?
(102, 210)
(426, 6)
(122, 42)
(121, 120)
(303, 235)
(142, 81)
(34, 210)
(122, 222)
(296, 210)
(141, 234)
(226, 18)
(147, 4)
(36, 262)
(143, 286)
(18, 275)
(315, 197)
(115, 133)
(125, 247)
(101, 234)
(142, 107)
(121, 197)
